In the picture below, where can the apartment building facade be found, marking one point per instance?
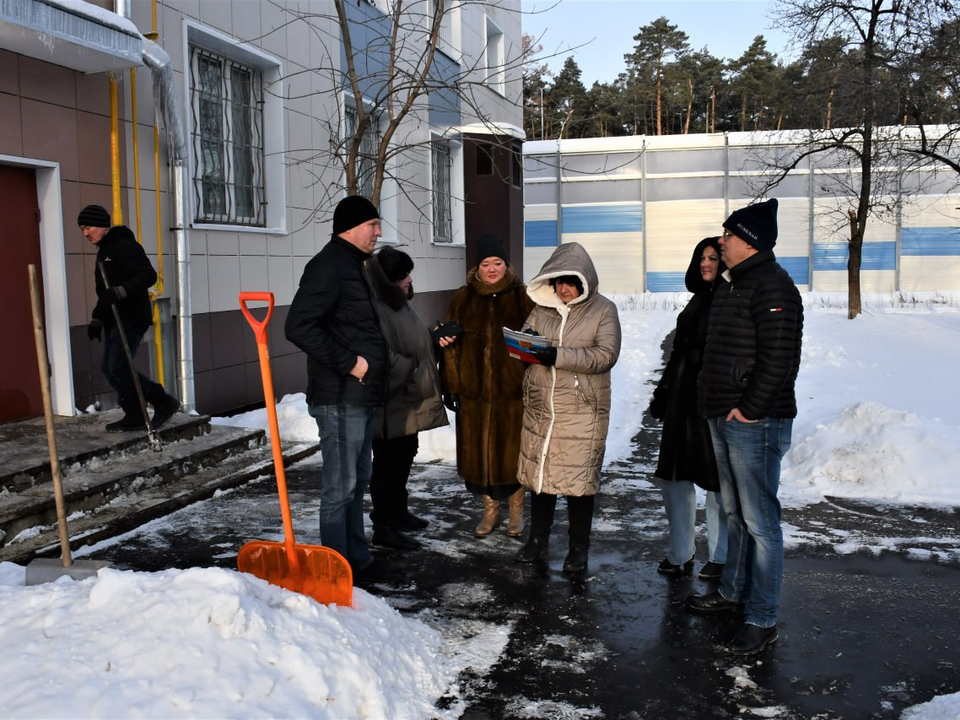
(215, 130)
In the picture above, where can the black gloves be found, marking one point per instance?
(658, 405)
(112, 295)
(547, 355)
(452, 401)
(95, 330)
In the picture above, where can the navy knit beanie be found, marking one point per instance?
(755, 224)
(93, 216)
(353, 210)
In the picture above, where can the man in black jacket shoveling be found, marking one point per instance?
(129, 278)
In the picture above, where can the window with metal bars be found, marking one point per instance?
(369, 144)
(442, 191)
(227, 106)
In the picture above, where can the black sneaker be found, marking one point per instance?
(712, 603)
(668, 568)
(711, 571)
(165, 411)
(128, 423)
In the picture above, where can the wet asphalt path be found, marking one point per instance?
(862, 635)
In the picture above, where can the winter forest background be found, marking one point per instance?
(901, 65)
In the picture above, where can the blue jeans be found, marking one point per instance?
(748, 461)
(116, 370)
(680, 503)
(346, 436)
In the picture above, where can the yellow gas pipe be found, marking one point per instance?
(115, 181)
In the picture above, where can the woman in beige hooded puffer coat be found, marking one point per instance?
(566, 400)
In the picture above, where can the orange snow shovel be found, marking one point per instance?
(314, 570)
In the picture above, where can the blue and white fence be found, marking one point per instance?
(639, 205)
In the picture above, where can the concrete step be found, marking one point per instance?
(113, 483)
(80, 440)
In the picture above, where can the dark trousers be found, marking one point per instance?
(116, 370)
(392, 460)
(579, 513)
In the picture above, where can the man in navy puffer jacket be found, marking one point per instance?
(746, 392)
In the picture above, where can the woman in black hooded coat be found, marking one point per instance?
(686, 451)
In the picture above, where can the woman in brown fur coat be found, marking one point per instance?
(483, 384)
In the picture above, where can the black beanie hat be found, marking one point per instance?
(396, 264)
(755, 224)
(353, 210)
(490, 245)
(93, 216)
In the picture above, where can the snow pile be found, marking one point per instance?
(873, 453)
(209, 643)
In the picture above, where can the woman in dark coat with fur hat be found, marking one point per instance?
(484, 385)
(686, 451)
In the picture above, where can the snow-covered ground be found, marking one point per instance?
(878, 422)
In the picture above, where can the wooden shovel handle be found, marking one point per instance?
(43, 363)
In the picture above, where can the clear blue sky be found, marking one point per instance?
(725, 27)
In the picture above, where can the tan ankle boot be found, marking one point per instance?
(491, 517)
(515, 503)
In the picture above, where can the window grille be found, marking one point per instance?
(367, 156)
(227, 104)
(442, 191)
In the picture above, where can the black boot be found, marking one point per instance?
(535, 549)
(580, 509)
(387, 536)
(132, 420)
(576, 561)
(163, 410)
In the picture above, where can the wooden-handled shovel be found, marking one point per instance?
(41, 570)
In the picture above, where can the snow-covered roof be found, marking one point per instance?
(70, 33)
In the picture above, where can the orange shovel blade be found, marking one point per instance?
(323, 573)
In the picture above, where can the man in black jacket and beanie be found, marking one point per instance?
(333, 319)
(130, 276)
(746, 392)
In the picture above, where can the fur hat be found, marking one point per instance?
(755, 224)
(353, 210)
(94, 216)
(396, 264)
(490, 245)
